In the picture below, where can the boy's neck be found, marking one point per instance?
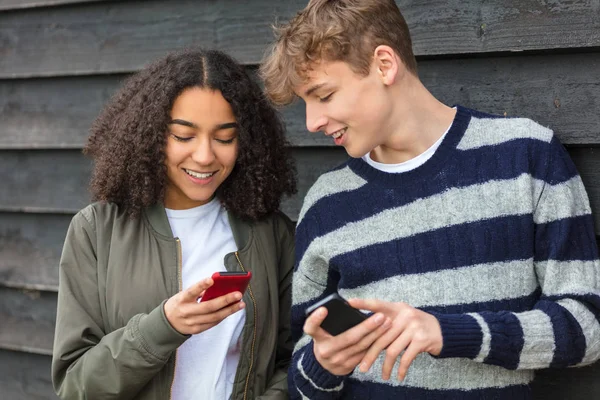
(417, 121)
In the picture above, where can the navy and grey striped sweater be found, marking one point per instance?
(493, 235)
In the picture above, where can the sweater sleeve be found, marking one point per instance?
(563, 328)
(312, 281)
(88, 361)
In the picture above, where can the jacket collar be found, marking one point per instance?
(157, 217)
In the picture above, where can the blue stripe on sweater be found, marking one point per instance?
(507, 339)
(493, 240)
(477, 166)
(518, 304)
(578, 233)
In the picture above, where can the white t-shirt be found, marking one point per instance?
(206, 362)
(407, 165)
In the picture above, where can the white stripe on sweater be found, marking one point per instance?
(427, 372)
(493, 131)
(301, 369)
(486, 340)
(569, 277)
(590, 327)
(466, 285)
(538, 335)
(563, 200)
(342, 180)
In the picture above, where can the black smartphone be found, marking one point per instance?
(341, 316)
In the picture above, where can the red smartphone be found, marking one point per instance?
(227, 282)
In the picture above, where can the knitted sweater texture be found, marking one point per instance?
(493, 235)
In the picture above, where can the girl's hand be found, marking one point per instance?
(189, 317)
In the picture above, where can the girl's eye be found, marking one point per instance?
(326, 98)
(181, 139)
(228, 141)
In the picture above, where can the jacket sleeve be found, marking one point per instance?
(89, 362)
(563, 328)
(312, 281)
(277, 387)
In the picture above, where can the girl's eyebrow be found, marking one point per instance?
(183, 122)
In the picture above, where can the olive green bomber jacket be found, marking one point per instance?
(112, 338)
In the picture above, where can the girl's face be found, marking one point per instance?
(202, 147)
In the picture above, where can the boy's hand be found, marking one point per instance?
(342, 353)
(413, 331)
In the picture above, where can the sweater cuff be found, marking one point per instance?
(316, 374)
(461, 334)
(157, 335)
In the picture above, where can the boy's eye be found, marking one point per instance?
(326, 98)
(180, 138)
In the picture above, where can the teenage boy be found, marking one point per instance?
(468, 236)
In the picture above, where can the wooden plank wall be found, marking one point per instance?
(60, 60)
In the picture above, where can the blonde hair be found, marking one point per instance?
(333, 30)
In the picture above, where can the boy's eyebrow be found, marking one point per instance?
(183, 122)
(313, 88)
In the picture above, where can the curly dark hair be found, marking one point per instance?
(128, 139)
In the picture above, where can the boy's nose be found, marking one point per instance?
(315, 123)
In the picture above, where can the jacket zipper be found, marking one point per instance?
(180, 283)
(253, 331)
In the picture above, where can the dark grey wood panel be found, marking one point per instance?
(28, 318)
(52, 181)
(56, 181)
(559, 91)
(19, 4)
(123, 36)
(31, 243)
(30, 247)
(567, 384)
(25, 376)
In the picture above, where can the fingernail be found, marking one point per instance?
(387, 323)
(363, 367)
(379, 318)
(242, 305)
(238, 296)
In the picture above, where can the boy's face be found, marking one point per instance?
(351, 109)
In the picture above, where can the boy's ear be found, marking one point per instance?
(387, 64)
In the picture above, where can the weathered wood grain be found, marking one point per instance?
(30, 247)
(25, 376)
(559, 91)
(28, 319)
(123, 36)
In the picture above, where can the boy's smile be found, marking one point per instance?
(350, 108)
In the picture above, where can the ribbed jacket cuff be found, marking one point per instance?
(156, 334)
(461, 334)
(319, 376)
